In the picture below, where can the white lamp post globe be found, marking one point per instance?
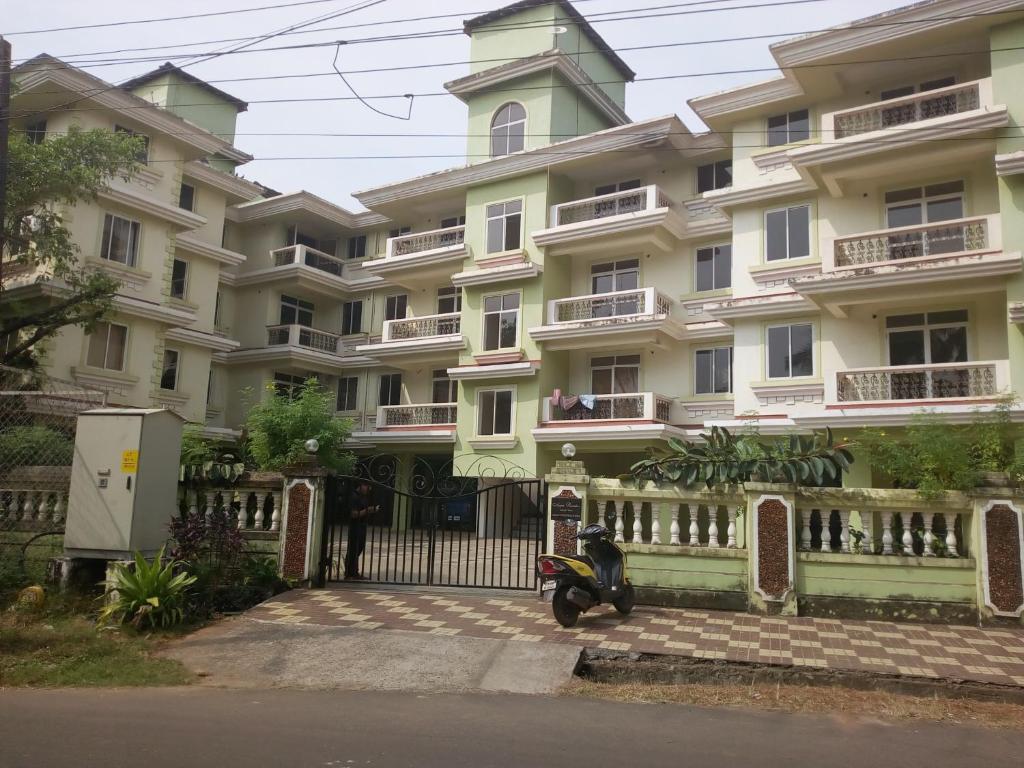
(312, 445)
(568, 450)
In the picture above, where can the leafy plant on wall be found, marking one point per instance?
(206, 462)
(724, 458)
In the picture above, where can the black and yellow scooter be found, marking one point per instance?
(575, 584)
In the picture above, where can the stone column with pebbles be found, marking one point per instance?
(771, 538)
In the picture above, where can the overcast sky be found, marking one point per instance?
(336, 179)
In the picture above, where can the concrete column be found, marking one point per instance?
(303, 522)
(567, 483)
(999, 533)
(772, 541)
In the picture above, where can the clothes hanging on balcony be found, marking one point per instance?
(576, 406)
(588, 401)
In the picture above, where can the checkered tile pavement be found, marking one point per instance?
(918, 650)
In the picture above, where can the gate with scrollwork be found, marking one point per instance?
(431, 527)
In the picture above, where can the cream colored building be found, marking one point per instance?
(841, 248)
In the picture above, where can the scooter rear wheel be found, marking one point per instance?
(624, 602)
(566, 612)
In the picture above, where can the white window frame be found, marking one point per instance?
(351, 245)
(789, 130)
(453, 386)
(347, 307)
(294, 381)
(106, 345)
(483, 320)
(299, 307)
(615, 365)
(195, 194)
(355, 394)
(144, 156)
(922, 200)
(177, 368)
(394, 298)
(518, 122)
(134, 239)
(446, 293)
(713, 350)
(616, 268)
(714, 256)
(925, 328)
(767, 351)
(503, 217)
(714, 176)
(480, 412)
(184, 280)
(401, 384)
(810, 232)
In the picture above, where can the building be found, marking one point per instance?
(841, 248)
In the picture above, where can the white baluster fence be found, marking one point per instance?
(253, 507)
(33, 507)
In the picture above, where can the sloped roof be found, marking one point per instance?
(171, 69)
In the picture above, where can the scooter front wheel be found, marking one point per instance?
(566, 612)
(624, 603)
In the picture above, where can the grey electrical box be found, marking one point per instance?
(124, 482)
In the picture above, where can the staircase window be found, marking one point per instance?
(508, 129)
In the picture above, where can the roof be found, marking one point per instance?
(570, 11)
(171, 69)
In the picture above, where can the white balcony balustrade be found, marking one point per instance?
(941, 381)
(33, 507)
(302, 336)
(641, 406)
(253, 509)
(416, 415)
(882, 531)
(907, 110)
(426, 242)
(938, 239)
(425, 327)
(311, 257)
(614, 307)
(647, 198)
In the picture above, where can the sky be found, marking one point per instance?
(697, 21)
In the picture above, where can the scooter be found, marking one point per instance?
(574, 584)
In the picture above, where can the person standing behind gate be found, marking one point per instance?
(360, 508)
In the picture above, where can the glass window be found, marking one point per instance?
(209, 387)
(389, 389)
(143, 154)
(288, 385)
(495, 412)
(395, 307)
(621, 186)
(615, 276)
(449, 300)
(120, 240)
(501, 321)
(179, 279)
(714, 176)
(713, 268)
(187, 197)
(504, 223)
(296, 311)
(788, 233)
(399, 231)
(615, 375)
(107, 346)
(444, 389)
(790, 351)
(351, 317)
(788, 128)
(453, 221)
(713, 369)
(169, 372)
(508, 129)
(35, 133)
(216, 309)
(357, 247)
(916, 206)
(922, 339)
(348, 390)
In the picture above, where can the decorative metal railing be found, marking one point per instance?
(920, 382)
(417, 415)
(907, 109)
(647, 198)
(634, 405)
(420, 242)
(423, 327)
(303, 254)
(616, 307)
(934, 239)
(301, 336)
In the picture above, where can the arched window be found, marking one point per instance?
(507, 129)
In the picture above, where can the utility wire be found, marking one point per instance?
(364, 102)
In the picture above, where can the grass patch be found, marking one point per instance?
(819, 700)
(58, 649)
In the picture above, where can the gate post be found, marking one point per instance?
(999, 532)
(302, 521)
(567, 483)
(771, 543)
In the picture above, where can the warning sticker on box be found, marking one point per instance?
(130, 461)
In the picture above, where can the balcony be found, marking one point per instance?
(311, 257)
(939, 240)
(983, 380)
(643, 217)
(307, 268)
(419, 423)
(303, 347)
(641, 416)
(637, 317)
(418, 339)
(303, 336)
(421, 256)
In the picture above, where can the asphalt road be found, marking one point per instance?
(200, 727)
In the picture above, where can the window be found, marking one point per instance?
(508, 129)
(622, 186)
(788, 128)
(615, 375)
(357, 247)
(169, 370)
(713, 268)
(504, 222)
(495, 412)
(120, 240)
(348, 390)
(713, 371)
(395, 307)
(924, 339)
(615, 276)
(107, 345)
(216, 310)
(925, 205)
(351, 317)
(328, 246)
(143, 154)
(209, 387)
(179, 279)
(389, 389)
(788, 233)
(443, 389)
(399, 231)
(790, 351)
(714, 176)
(35, 133)
(187, 197)
(501, 321)
(453, 221)
(288, 384)
(944, 104)
(449, 300)
(296, 311)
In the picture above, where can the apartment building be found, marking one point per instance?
(840, 248)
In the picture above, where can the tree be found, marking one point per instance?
(43, 181)
(279, 427)
(725, 458)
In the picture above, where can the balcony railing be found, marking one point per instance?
(647, 198)
(420, 242)
(303, 254)
(302, 336)
(614, 307)
(647, 406)
(906, 110)
(921, 382)
(424, 327)
(935, 239)
(421, 415)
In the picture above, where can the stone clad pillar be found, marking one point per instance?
(567, 505)
(303, 522)
(999, 531)
(771, 537)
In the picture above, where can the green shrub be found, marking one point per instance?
(261, 571)
(148, 595)
(35, 446)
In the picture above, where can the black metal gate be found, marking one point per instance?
(452, 531)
